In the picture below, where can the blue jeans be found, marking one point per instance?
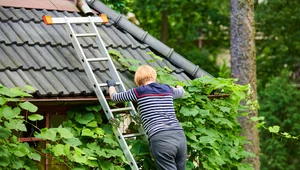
(169, 150)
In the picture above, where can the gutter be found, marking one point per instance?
(145, 37)
(63, 101)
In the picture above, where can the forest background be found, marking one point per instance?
(200, 31)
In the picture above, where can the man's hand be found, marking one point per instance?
(178, 86)
(111, 83)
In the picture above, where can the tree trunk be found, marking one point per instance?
(243, 65)
(164, 34)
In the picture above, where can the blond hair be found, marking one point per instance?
(144, 74)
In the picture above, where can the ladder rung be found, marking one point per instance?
(133, 135)
(86, 35)
(96, 59)
(105, 84)
(121, 109)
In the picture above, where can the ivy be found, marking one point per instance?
(210, 125)
(85, 140)
(14, 154)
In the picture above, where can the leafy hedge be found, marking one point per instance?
(85, 140)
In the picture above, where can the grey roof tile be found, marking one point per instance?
(42, 55)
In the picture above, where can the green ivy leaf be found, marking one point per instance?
(4, 91)
(16, 91)
(274, 129)
(17, 163)
(191, 136)
(189, 111)
(4, 133)
(105, 165)
(58, 150)
(93, 146)
(255, 118)
(79, 158)
(49, 134)
(87, 132)
(140, 148)
(21, 150)
(92, 124)
(16, 124)
(64, 133)
(30, 88)
(187, 124)
(222, 121)
(7, 112)
(28, 106)
(98, 118)
(109, 139)
(225, 109)
(215, 159)
(72, 141)
(189, 165)
(3, 151)
(95, 108)
(35, 117)
(204, 112)
(107, 128)
(67, 149)
(84, 118)
(34, 156)
(99, 131)
(116, 152)
(2, 100)
(4, 161)
(207, 139)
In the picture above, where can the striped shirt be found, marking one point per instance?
(155, 103)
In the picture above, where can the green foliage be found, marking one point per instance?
(117, 5)
(211, 126)
(279, 104)
(205, 20)
(278, 37)
(84, 141)
(14, 154)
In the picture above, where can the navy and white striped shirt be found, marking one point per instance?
(155, 103)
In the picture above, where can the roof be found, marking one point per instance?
(42, 56)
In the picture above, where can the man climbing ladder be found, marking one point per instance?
(155, 101)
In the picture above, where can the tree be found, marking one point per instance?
(243, 65)
(278, 37)
(279, 104)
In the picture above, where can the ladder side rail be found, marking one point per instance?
(104, 52)
(112, 68)
(125, 148)
(101, 97)
(88, 70)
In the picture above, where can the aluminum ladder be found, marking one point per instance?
(96, 85)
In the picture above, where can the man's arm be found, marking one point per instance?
(178, 92)
(111, 91)
(128, 95)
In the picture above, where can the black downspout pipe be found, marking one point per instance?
(143, 36)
